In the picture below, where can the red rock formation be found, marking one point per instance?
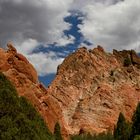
(91, 88)
(23, 75)
(89, 91)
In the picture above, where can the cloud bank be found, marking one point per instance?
(38, 19)
(113, 24)
(27, 23)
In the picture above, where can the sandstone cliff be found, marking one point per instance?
(89, 91)
(91, 88)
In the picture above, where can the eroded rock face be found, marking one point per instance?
(90, 89)
(10, 59)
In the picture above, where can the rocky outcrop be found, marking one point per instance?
(10, 59)
(91, 88)
(23, 75)
(89, 91)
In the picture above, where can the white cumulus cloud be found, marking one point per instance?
(112, 25)
(44, 63)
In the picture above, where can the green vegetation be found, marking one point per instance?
(127, 62)
(135, 134)
(18, 119)
(57, 132)
(137, 137)
(101, 136)
(123, 129)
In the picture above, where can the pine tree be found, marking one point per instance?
(121, 132)
(136, 122)
(57, 132)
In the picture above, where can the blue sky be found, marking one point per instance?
(46, 31)
(64, 51)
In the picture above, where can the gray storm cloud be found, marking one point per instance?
(41, 20)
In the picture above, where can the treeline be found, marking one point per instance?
(18, 118)
(123, 130)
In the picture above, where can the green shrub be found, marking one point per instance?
(127, 62)
(101, 136)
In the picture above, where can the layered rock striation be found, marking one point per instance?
(92, 87)
(89, 91)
